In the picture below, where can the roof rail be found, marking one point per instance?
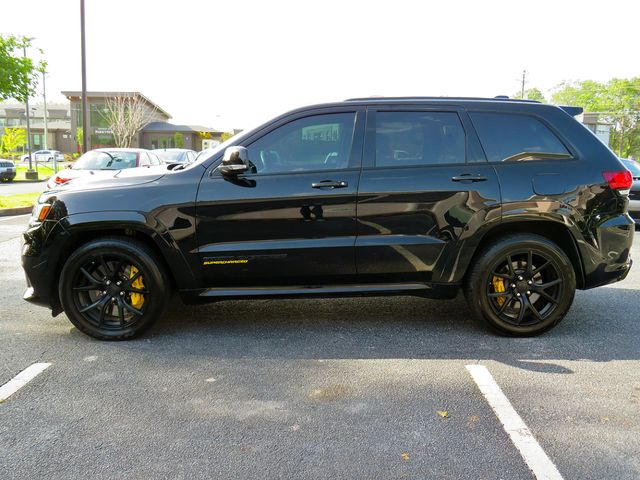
(499, 97)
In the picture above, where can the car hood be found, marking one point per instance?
(94, 179)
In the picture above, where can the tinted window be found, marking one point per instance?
(504, 135)
(419, 138)
(321, 142)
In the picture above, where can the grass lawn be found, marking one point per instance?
(18, 200)
(44, 172)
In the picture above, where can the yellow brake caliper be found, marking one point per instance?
(137, 299)
(498, 287)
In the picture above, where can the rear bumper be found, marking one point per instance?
(7, 175)
(610, 260)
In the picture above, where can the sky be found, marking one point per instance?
(235, 63)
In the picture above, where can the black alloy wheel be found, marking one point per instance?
(113, 289)
(522, 285)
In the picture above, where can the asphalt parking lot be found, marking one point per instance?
(374, 388)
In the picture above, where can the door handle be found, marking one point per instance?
(467, 177)
(329, 184)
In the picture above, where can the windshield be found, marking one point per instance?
(100, 160)
(170, 156)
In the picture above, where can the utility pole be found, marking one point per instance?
(30, 174)
(85, 123)
(524, 76)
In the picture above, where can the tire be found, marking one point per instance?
(521, 285)
(103, 295)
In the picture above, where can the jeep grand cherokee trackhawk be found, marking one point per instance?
(515, 202)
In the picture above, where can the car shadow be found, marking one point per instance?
(603, 325)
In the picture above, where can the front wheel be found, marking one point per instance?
(113, 289)
(521, 285)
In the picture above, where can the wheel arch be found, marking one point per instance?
(555, 231)
(86, 227)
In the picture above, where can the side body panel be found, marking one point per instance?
(415, 222)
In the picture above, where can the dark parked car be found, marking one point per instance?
(634, 194)
(7, 171)
(175, 155)
(515, 202)
(101, 163)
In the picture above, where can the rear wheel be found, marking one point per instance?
(113, 289)
(521, 285)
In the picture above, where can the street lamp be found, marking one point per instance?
(30, 174)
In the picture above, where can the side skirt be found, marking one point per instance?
(438, 291)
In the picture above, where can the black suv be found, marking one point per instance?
(513, 201)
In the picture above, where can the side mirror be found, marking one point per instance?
(235, 161)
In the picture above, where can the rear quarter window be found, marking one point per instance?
(504, 135)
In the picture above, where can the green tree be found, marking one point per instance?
(535, 94)
(225, 136)
(617, 102)
(18, 74)
(532, 94)
(79, 136)
(178, 140)
(13, 138)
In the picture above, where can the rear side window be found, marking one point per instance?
(504, 135)
(419, 138)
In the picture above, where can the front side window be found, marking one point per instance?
(506, 136)
(419, 138)
(320, 142)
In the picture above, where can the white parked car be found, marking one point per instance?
(43, 156)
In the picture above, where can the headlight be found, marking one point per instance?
(40, 211)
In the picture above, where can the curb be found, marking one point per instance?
(7, 212)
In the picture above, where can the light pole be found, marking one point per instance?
(85, 123)
(30, 174)
(44, 99)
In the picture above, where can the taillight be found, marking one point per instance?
(60, 180)
(620, 180)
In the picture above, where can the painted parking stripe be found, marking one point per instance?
(13, 217)
(20, 380)
(532, 453)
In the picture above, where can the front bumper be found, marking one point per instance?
(39, 260)
(7, 175)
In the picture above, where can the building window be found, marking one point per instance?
(98, 116)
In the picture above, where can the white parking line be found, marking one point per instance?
(20, 380)
(531, 451)
(13, 217)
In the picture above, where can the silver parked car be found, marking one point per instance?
(43, 156)
(634, 194)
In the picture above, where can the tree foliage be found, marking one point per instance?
(178, 140)
(126, 115)
(79, 136)
(535, 94)
(617, 102)
(13, 138)
(18, 74)
(225, 136)
(532, 94)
